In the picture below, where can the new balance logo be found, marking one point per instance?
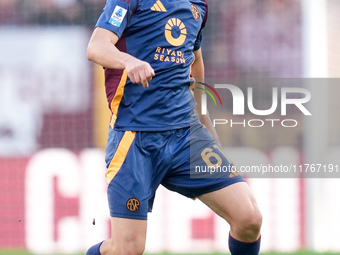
(158, 7)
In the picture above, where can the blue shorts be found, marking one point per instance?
(138, 162)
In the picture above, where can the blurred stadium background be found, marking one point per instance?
(54, 119)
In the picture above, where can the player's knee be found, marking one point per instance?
(246, 224)
(137, 249)
(132, 251)
(250, 224)
(131, 248)
(125, 247)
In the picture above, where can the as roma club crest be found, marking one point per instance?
(195, 12)
(133, 204)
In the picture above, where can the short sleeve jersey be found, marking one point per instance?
(164, 33)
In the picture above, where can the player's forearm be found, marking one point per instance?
(197, 70)
(206, 121)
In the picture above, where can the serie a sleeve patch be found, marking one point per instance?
(117, 16)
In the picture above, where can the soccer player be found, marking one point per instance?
(149, 49)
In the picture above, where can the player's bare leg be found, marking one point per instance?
(237, 205)
(128, 238)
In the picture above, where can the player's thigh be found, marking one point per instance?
(128, 231)
(128, 236)
(235, 203)
(129, 175)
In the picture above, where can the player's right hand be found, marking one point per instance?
(139, 72)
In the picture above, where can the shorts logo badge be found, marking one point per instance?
(195, 12)
(117, 16)
(133, 204)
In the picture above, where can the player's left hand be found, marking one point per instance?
(139, 72)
